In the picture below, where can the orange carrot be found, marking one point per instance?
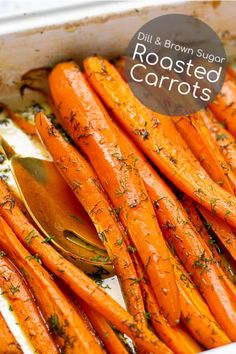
(231, 71)
(224, 106)
(195, 133)
(105, 332)
(76, 303)
(120, 65)
(186, 242)
(23, 305)
(75, 279)
(175, 337)
(63, 321)
(158, 137)
(197, 136)
(223, 231)
(83, 116)
(8, 343)
(212, 224)
(81, 178)
(222, 137)
(195, 314)
(20, 121)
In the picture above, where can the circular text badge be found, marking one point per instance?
(175, 64)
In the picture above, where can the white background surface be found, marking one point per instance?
(17, 7)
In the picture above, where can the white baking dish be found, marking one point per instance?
(45, 38)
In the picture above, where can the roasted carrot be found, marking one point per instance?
(195, 314)
(212, 223)
(23, 305)
(8, 343)
(77, 305)
(81, 178)
(197, 136)
(186, 242)
(83, 116)
(195, 133)
(224, 105)
(112, 343)
(65, 324)
(158, 137)
(75, 279)
(175, 337)
(20, 121)
(225, 141)
(120, 65)
(223, 231)
(231, 71)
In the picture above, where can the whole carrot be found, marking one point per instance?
(23, 305)
(76, 303)
(63, 321)
(225, 141)
(187, 243)
(86, 186)
(231, 71)
(157, 136)
(221, 230)
(195, 133)
(7, 340)
(195, 314)
(75, 279)
(20, 121)
(83, 116)
(175, 337)
(224, 106)
(112, 343)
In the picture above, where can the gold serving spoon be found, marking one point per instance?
(57, 213)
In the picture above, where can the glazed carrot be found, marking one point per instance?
(76, 303)
(8, 343)
(65, 324)
(195, 133)
(197, 136)
(75, 279)
(224, 106)
(20, 121)
(214, 224)
(23, 305)
(187, 244)
(222, 137)
(195, 314)
(83, 116)
(112, 343)
(175, 337)
(223, 231)
(231, 71)
(120, 64)
(81, 178)
(158, 137)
